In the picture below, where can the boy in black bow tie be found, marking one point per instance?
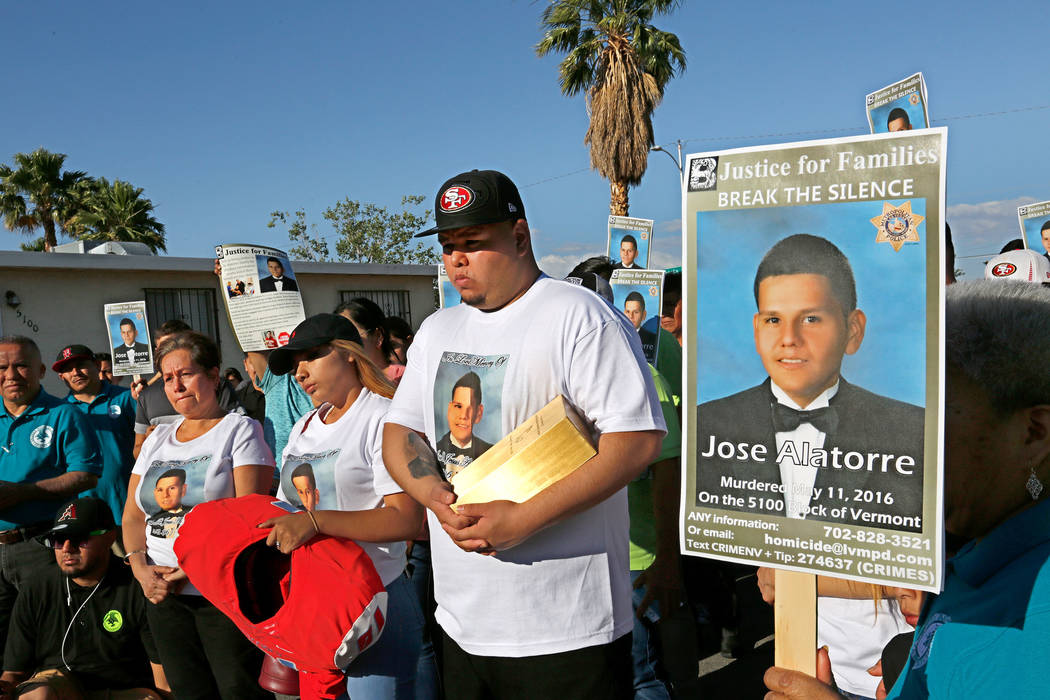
(805, 443)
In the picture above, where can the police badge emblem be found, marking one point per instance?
(897, 225)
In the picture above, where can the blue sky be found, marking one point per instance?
(224, 112)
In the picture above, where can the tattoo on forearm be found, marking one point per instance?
(424, 464)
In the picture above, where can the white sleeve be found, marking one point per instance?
(406, 408)
(611, 383)
(382, 483)
(248, 446)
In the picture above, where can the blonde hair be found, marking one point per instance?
(370, 376)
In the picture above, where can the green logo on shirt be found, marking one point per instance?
(112, 621)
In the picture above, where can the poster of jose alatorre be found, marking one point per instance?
(899, 106)
(814, 366)
(1034, 220)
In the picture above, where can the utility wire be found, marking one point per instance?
(839, 130)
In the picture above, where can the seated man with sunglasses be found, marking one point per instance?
(79, 630)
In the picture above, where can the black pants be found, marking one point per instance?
(18, 563)
(602, 672)
(203, 653)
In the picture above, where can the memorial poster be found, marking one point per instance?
(1034, 220)
(261, 294)
(129, 339)
(448, 295)
(813, 275)
(468, 407)
(899, 107)
(630, 242)
(638, 294)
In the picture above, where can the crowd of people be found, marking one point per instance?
(578, 592)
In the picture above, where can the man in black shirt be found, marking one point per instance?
(80, 627)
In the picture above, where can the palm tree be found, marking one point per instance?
(622, 62)
(38, 194)
(116, 212)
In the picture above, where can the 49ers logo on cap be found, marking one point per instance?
(455, 198)
(1004, 269)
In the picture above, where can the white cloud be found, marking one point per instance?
(558, 266)
(667, 247)
(660, 260)
(979, 231)
(671, 226)
(983, 228)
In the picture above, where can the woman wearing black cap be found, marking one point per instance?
(348, 491)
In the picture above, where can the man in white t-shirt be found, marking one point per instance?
(547, 613)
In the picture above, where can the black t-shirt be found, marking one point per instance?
(254, 401)
(154, 407)
(109, 644)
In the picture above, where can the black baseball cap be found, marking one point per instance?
(593, 282)
(79, 519)
(475, 198)
(70, 353)
(314, 331)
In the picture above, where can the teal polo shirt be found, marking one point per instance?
(49, 439)
(986, 635)
(286, 403)
(111, 416)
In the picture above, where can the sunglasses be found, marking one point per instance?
(57, 541)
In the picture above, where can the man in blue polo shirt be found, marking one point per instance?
(48, 454)
(110, 412)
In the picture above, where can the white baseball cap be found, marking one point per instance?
(1023, 265)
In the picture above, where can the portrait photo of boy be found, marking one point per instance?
(806, 441)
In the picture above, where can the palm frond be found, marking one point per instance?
(622, 64)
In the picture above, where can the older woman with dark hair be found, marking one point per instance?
(206, 455)
(986, 635)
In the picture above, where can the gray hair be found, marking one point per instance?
(23, 342)
(997, 333)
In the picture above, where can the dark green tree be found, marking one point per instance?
(622, 63)
(116, 211)
(37, 194)
(34, 246)
(362, 232)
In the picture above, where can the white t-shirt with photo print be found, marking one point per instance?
(567, 586)
(207, 462)
(346, 458)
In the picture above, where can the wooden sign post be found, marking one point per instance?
(795, 621)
